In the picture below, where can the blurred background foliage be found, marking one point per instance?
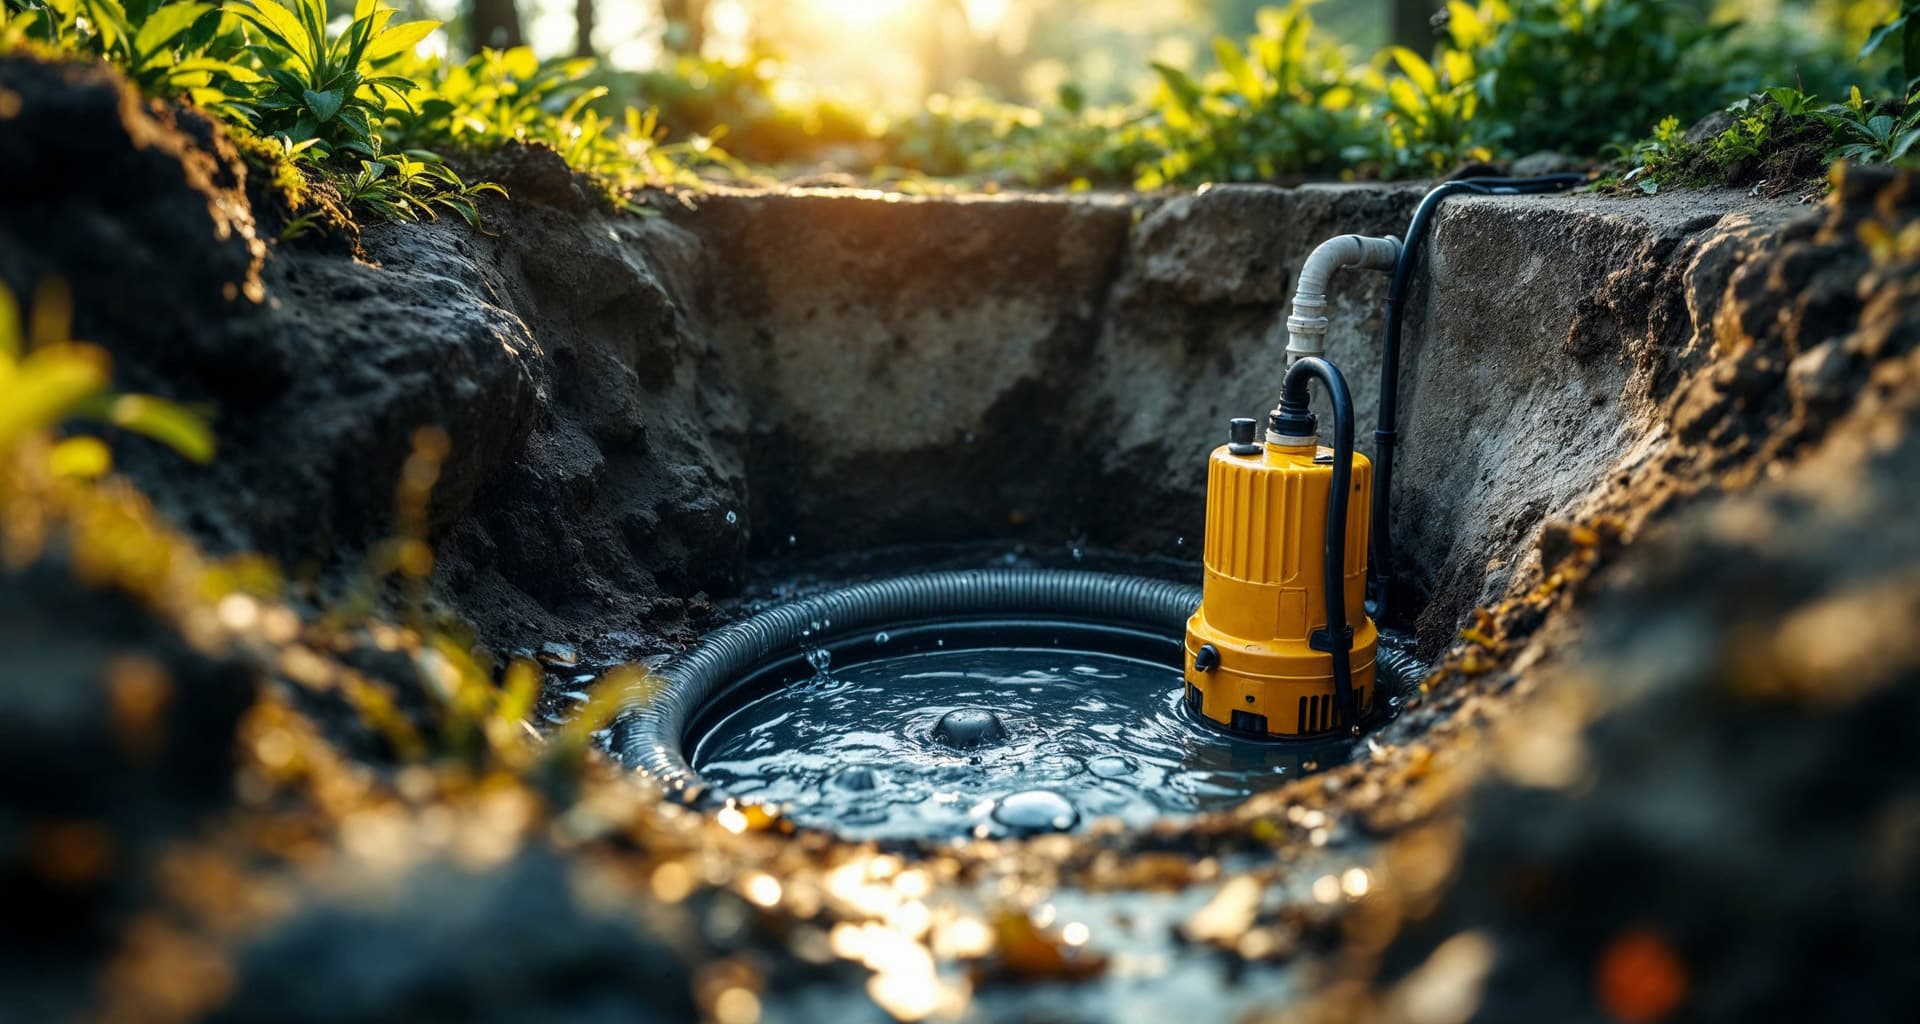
(1122, 92)
(1045, 93)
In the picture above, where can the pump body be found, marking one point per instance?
(1258, 655)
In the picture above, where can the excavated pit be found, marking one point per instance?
(1668, 443)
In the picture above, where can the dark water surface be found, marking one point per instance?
(859, 748)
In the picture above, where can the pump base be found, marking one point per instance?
(1278, 688)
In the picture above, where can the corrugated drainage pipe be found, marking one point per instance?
(651, 734)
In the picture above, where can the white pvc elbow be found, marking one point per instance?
(1307, 327)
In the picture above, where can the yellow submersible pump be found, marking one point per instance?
(1281, 644)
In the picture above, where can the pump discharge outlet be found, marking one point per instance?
(1260, 657)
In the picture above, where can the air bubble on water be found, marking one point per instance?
(732, 517)
(1009, 558)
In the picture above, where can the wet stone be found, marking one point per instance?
(1036, 810)
(967, 728)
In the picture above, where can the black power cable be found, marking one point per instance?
(1385, 434)
(1295, 417)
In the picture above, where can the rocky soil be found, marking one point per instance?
(1666, 445)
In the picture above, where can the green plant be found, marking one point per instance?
(1866, 136)
(1285, 104)
(500, 96)
(495, 96)
(1660, 156)
(411, 186)
(168, 49)
(1433, 128)
(322, 89)
(1576, 75)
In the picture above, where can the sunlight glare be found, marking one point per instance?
(859, 13)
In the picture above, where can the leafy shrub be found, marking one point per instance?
(500, 96)
(1288, 103)
(1867, 136)
(324, 90)
(167, 49)
(1576, 75)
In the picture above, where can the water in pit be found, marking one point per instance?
(943, 741)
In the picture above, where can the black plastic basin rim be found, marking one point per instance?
(651, 732)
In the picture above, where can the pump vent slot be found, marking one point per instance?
(1248, 722)
(1196, 701)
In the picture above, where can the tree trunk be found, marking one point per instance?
(686, 25)
(496, 24)
(583, 28)
(1412, 24)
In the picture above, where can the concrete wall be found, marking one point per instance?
(1055, 368)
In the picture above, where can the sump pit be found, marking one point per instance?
(992, 703)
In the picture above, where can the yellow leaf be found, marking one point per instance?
(1416, 68)
(170, 423)
(46, 387)
(84, 457)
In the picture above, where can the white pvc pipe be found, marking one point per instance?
(1307, 327)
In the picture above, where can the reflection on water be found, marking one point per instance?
(859, 748)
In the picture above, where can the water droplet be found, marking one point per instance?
(1112, 766)
(1059, 765)
(1036, 810)
(792, 540)
(1179, 542)
(966, 728)
(820, 658)
(1077, 553)
(969, 437)
(881, 637)
(732, 517)
(858, 779)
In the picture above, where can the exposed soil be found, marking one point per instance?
(1666, 444)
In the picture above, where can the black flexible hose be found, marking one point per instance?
(1386, 419)
(1295, 408)
(651, 732)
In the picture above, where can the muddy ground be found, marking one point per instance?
(1665, 446)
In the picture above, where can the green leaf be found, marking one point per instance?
(398, 39)
(167, 24)
(280, 25)
(324, 104)
(1879, 36)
